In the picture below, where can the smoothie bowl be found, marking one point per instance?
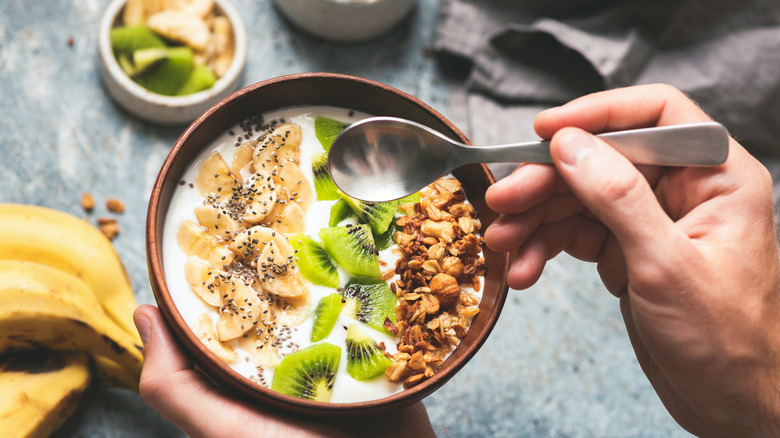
(291, 293)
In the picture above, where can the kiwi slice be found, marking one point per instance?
(385, 240)
(314, 262)
(201, 78)
(323, 184)
(127, 39)
(377, 214)
(339, 212)
(365, 360)
(308, 373)
(327, 130)
(353, 248)
(170, 72)
(325, 315)
(370, 301)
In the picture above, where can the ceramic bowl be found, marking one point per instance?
(306, 90)
(345, 20)
(156, 108)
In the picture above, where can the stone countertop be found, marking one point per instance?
(558, 363)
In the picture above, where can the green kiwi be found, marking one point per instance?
(325, 315)
(353, 248)
(327, 130)
(385, 240)
(370, 301)
(127, 39)
(170, 73)
(201, 78)
(308, 373)
(339, 212)
(365, 360)
(314, 262)
(377, 214)
(323, 184)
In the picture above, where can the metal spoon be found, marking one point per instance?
(384, 158)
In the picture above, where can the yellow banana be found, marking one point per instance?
(110, 374)
(43, 307)
(40, 390)
(72, 245)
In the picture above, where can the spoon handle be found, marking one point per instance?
(696, 144)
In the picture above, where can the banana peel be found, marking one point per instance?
(71, 245)
(40, 390)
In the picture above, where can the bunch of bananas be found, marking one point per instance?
(66, 309)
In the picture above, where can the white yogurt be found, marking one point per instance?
(185, 199)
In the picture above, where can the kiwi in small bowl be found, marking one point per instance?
(165, 81)
(349, 238)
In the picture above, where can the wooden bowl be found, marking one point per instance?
(306, 90)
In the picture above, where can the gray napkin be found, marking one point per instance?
(517, 57)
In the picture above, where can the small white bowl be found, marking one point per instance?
(345, 20)
(156, 108)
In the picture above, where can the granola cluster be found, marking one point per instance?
(439, 261)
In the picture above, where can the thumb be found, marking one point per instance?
(613, 189)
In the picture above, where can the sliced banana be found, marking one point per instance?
(278, 272)
(297, 187)
(286, 218)
(194, 241)
(205, 280)
(280, 146)
(260, 193)
(242, 159)
(241, 309)
(291, 311)
(223, 39)
(134, 12)
(204, 330)
(200, 8)
(249, 244)
(260, 344)
(181, 26)
(217, 221)
(215, 178)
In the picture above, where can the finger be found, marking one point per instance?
(509, 232)
(526, 187)
(579, 236)
(625, 108)
(171, 386)
(620, 197)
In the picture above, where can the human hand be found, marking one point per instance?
(185, 397)
(690, 252)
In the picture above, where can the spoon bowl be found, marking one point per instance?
(380, 159)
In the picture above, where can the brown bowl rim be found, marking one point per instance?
(223, 374)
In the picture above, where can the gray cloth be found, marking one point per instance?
(514, 55)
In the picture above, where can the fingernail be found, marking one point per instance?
(144, 327)
(574, 146)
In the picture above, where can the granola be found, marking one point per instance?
(439, 261)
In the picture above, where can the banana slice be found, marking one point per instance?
(134, 13)
(249, 244)
(205, 280)
(243, 158)
(200, 8)
(291, 312)
(217, 221)
(215, 177)
(280, 146)
(286, 218)
(204, 330)
(223, 40)
(194, 241)
(278, 272)
(260, 193)
(260, 344)
(241, 309)
(181, 26)
(297, 187)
